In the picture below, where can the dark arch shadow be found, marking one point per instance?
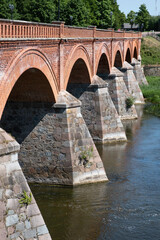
(103, 67)
(135, 53)
(118, 60)
(128, 56)
(29, 101)
(79, 79)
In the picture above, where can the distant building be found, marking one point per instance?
(127, 26)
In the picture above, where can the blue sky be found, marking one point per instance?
(127, 5)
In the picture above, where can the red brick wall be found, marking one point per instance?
(55, 58)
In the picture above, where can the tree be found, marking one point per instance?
(154, 23)
(104, 17)
(119, 17)
(131, 16)
(143, 17)
(78, 10)
(5, 11)
(36, 10)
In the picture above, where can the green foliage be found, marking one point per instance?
(129, 102)
(151, 93)
(84, 12)
(5, 11)
(36, 10)
(150, 51)
(26, 199)
(154, 23)
(143, 17)
(85, 155)
(77, 10)
(153, 109)
(131, 16)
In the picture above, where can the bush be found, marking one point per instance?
(129, 102)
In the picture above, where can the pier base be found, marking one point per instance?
(99, 111)
(131, 83)
(119, 94)
(138, 72)
(17, 221)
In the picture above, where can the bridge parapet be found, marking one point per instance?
(22, 29)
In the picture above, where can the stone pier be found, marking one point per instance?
(131, 83)
(83, 163)
(138, 72)
(17, 221)
(99, 111)
(119, 94)
(53, 139)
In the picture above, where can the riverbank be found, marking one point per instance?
(150, 51)
(151, 94)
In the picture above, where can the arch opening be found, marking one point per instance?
(135, 53)
(118, 60)
(29, 117)
(128, 56)
(79, 79)
(27, 104)
(103, 66)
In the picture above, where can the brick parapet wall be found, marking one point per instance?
(23, 29)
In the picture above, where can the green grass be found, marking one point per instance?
(152, 95)
(150, 51)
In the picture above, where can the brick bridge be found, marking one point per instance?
(60, 88)
(49, 75)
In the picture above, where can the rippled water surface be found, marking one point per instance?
(125, 208)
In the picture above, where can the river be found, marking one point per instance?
(125, 208)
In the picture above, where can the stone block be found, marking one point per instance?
(20, 227)
(11, 230)
(11, 220)
(27, 224)
(3, 234)
(13, 166)
(44, 237)
(2, 210)
(32, 210)
(12, 204)
(36, 221)
(29, 233)
(42, 230)
(1, 193)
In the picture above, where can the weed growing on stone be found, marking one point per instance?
(129, 102)
(85, 156)
(26, 199)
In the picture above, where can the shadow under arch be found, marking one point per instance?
(79, 79)
(29, 101)
(135, 55)
(103, 67)
(78, 55)
(118, 60)
(128, 56)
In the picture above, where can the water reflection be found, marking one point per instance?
(127, 207)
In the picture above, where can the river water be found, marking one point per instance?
(125, 208)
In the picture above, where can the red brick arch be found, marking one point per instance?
(103, 49)
(117, 48)
(135, 45)
(30, 58)
(128, 45)
(78, 52)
